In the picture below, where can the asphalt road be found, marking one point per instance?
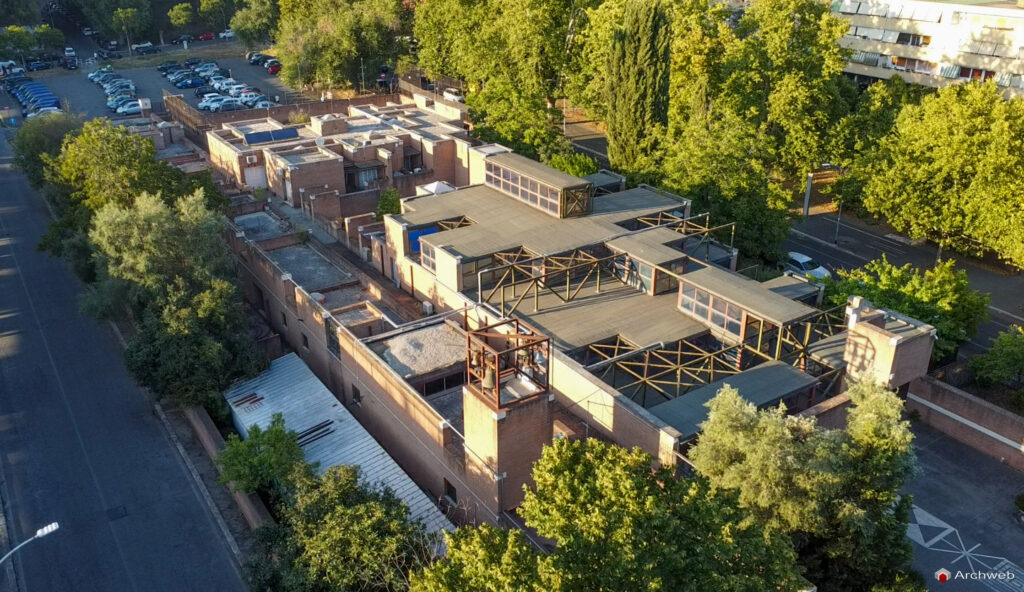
(79, 443)
(963, 518)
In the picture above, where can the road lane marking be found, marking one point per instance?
(829, 245)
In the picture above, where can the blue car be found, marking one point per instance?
(191, 82)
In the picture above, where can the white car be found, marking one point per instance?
(88, 32)
(228, 104)
(130, 108)
(236, 89)
(69, 52)
(263, 104)
(226, 34)
(222, 85)
(43, 111)
(804, 265)
(144, 44)
(454, 94)
(211, 102)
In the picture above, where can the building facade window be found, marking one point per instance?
(284, 319)
(716, 311)
(305, 342)
(427, 256)
(331, 336)
(357, 397)
(523, 188)
(914, 40)
(365, 178)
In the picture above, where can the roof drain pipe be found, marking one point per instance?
(612, 360)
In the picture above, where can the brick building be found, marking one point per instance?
(551, 310)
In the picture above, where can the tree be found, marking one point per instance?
(1003, 363)
(637, 91)
(193, 338)
(836, 493)
(128, 21)
(216, 12)
(18, 12)
(48, 37)
(264, 458)
(949, 172)
(18, 40)
(939, 296)
(180, 15)
(39, 140)
(617, 525)
(350, 536)
(587, 82)
(576, 164)
(255, 21)
(389, 202)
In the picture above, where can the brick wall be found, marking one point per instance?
(979, 424)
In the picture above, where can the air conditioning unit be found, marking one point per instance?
(428, 308)
(251, 159)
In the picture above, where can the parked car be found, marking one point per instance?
(263, 104)
(108, 55)
(274, 68)
(107, 78)
(254, 58)
(192, 62)
(69, 63)
(249, 99)
(88, 32)
(230, 105)
(209, 102)
(116, 102)
(236, 89)
(97, 73)
(205, 89)
(454, 94)
(204, 36)
(226, 34)
(138, 46)
(163, 67)
(43, 111)
(179, 76)
(183, 39)
(262, 62)
(801, 264)
(36, 66)
(112, 46)
(189, 82)
(148, 50)
(223, 83)
(69, 52)
(130, 108)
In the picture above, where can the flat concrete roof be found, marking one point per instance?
(762, 385)
(503, 223)
(535, 170)
(791, 287)
(752, 296)
(254, 125)
(305, 155)
(604, 180)
(618, 310)
(424, 350)
(650, 246)
(260, 226)
(309, 269)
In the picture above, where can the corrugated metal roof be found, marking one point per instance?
(762, 385)
(331, 436)
(752, 296)
(535, 170)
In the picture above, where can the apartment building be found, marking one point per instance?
(553, 310)
(336, 164)
(936, 43)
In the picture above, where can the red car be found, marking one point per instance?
(204, 36)
(274, 68)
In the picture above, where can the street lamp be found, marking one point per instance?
(39, 534)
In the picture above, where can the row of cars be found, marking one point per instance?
(119, 91)
(34, 98)
(215, 87)
(267, 62)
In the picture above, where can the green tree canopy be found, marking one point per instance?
(18, 12)
(835, 492)
(217, 13)
(939, 296)
(180, 15)
(617, 525)
(337, 534)
(17, 40)
(39, 140)
(172, 262)
(128, 21)
(264, 458)
(389, 202)
(576, 164)
(255, 21)
(48, 37)
(1003, 363)
(949, 171)
(637, 74)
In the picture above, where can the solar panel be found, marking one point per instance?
(258, 137)
(289, 133)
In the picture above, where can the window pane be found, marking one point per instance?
(703, 297)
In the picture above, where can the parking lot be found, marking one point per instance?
(87, 98)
